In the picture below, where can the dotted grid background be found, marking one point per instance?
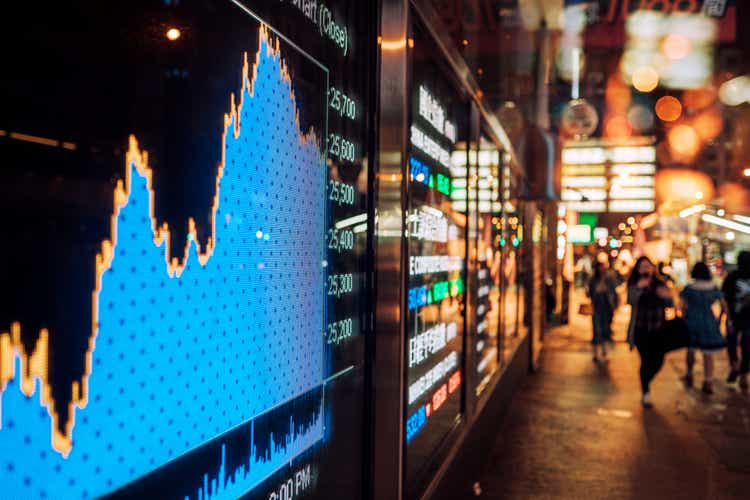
(180, 360)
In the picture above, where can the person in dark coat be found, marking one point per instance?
(736, 291)
(601, 290)
(648, 296)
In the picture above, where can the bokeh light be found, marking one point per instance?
(735, 91)
(680, 185)
(617, 94)
(668, 108)
(173, 34)
(683, 140)
(691, 72)
(640, 117)
(687, 51)
(671, 49)
(700, 98)
(708, 124)
(617, 126)
(644, 24)
(735, 197)
(645, 79)
(676, 46)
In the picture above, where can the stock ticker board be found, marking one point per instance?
(183, 303)
(436, 243)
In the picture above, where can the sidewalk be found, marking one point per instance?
(577, 429)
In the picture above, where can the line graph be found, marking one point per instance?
(181, 350)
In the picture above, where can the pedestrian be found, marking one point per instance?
(697, 303)
(736, 290)
(648, 296)
(601, 290)
(615, 280)
(664, 270)
(584, 268)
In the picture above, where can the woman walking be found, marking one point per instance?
(648, 297)
(697, 303)
(601, 290)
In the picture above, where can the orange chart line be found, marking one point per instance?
(34, 364)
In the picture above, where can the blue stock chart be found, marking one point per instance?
(243, 312)
(214, 346)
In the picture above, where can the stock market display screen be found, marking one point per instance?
(436, 253)
(488, 212)
(184, 196)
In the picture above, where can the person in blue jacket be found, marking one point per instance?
(697, 301)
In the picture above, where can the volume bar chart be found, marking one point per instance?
(184, 349)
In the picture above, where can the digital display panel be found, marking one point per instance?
(436, 253)
(185, 299)
(488, 211)
(511, 237)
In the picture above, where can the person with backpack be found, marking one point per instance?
(697, 303)
(736, 289)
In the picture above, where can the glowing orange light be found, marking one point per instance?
(708, 124)
(746, 172)
(668, 108)
(700, 98)
(617, 95)
(396, 44)
(645, 79)
(676, 46)
(617, 126)
(439, 397)
(736, 197)
(684, 140)
(679, 185)
(454, 382)
(173, 34)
